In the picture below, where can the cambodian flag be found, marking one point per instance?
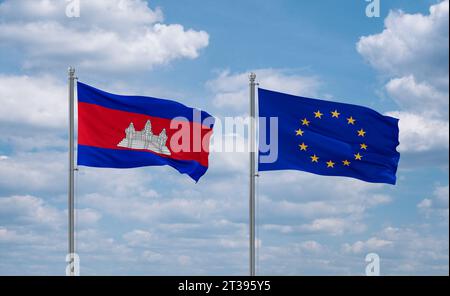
(117, 131)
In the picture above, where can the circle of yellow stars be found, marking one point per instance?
(361, 133)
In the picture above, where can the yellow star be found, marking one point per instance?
(299, 132)
(303, 147)
(358, 156)
(305, 122)
(318, 114)
(314, 158)
(351, 120)
(361, 133)
(330, 164)
(346, 163)
(364, 146)
(335, 114)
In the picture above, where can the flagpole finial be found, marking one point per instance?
(71, 71)
(252, 77)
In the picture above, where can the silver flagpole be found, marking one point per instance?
(71, 205)
(252, 139)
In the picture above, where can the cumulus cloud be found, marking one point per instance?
(437, 204)
(12, 236)
(442, 196)
(328, 226)
(182, 223)
(420, 133)
(87, 216)
(116, 35)
(420, 97)
(410, 43)
(421, 250)
(334, 226)
(371, 245)
(412, 52)
(308, 204)
(29, 210)
(312, 246)
(231, 89)
(36, 212)
(310, 196)
(138, 237)
(40, 102)
(100, 13)
(42, 172)
(138, 209)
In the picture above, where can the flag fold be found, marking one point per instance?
(328, 138)
(116, 131)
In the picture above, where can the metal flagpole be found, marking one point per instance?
(71, 200)
(252, 138)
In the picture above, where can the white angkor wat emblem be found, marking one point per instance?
(145, 139)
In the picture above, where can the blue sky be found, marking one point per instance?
(154, 221)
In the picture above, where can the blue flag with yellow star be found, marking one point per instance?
(326, 138)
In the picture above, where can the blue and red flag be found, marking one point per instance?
(328, 138)
(116, 131)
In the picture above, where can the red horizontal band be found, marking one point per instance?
(105, 128)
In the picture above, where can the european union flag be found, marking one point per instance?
(328, 138)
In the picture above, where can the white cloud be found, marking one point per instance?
(412, 52)
(30, 210)
(437, 205)
(410, 43)
(151, 256)
(35, 212)
(159, 210)
(441, 196)
(420, 132)
(420, 97)
(295, 202)
(404, 250)
(33, 101)
(231, 89)
(419, 251)
(127, 12)
(92, 242)
(196, 217)
(312, 246)
(285, 229)
(34, 172)
(12, 236)
(87, 216)
(333, 226)
(114, 35)
(425, 204)
(371, 245)
(138, 237)
(233, 243)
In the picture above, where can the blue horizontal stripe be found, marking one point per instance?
(137, 104)
(123, 159)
